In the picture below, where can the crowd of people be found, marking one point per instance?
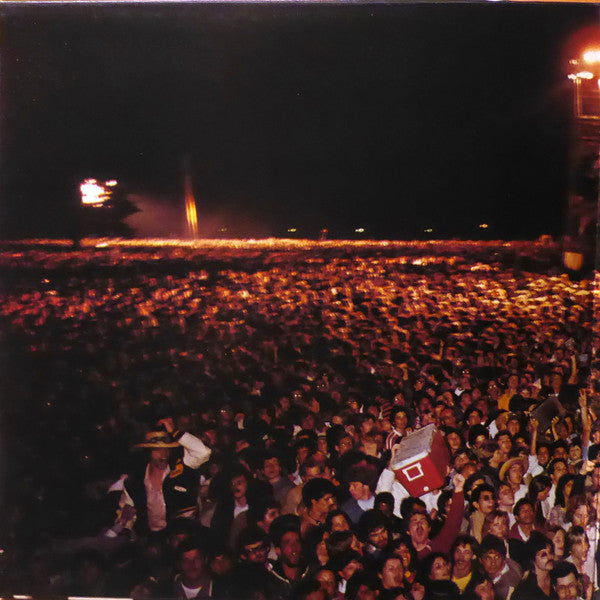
(230, 431)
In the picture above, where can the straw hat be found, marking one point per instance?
(157, 439)
(507, 465)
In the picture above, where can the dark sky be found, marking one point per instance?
(390, 117)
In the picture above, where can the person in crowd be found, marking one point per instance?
(160, 492)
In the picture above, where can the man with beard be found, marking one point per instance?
(287, 571)
(537, 585)
(464, 560)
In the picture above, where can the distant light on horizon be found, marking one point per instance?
(360, 230)
(581, 75)
(93, 193)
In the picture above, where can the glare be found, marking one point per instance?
(360, 230)
(111, 183)
(483, 226)
(591, 57)
(93, 193)
(292, 230)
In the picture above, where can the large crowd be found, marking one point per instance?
(227, 428)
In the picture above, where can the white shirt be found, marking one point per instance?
(157, 509)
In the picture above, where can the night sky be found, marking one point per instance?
(394, 118)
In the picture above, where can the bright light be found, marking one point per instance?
(93, 193)
(428, 230)
(292, 230)
(591, 57)
(111, 183)
(581, 75)
(223, 229)
(483, 226)
(360, 230)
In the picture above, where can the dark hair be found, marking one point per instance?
(336, 513)
(562, 569)
(484, 487)
(384, 498)
(520, 503)
(305, 588)
(464, 539)
(536, 543)
(428, 561)
(369, 521)
(538, 484)
(560, 489)
(315, 489)
(252, 535)
(367, 475)
(573, 535)
(491, 542)
(282, 525)
(366, 578)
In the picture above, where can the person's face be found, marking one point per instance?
(568, 489)
(270, 515)
(544, 559)
(359, 491)
(566, 587)
(559, 470)
(575, 453)
(392, 574)
(256, 553)
(440, 569)
(453, 441)
(379, 537)
(581, 515)
(159, 458)
(404, 553)
(239, 487)
(344, 445)
(193, 565)
(505, 443)
(448, 419)
(525, 515)
(558, 541)
(499, 527)
(486, 503)
(506, 496)
(400, 421)
(418, 528)
(543, 456)
(475, 419)
(326, 579)
(513, 426)
(493, 563)
(463, 557)
(560, 452)
(271, 468)
(290, 549)
(515, 473)
(580, 549)
(325, 504)
(339, 523)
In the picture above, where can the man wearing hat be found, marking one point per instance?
(167, 487)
